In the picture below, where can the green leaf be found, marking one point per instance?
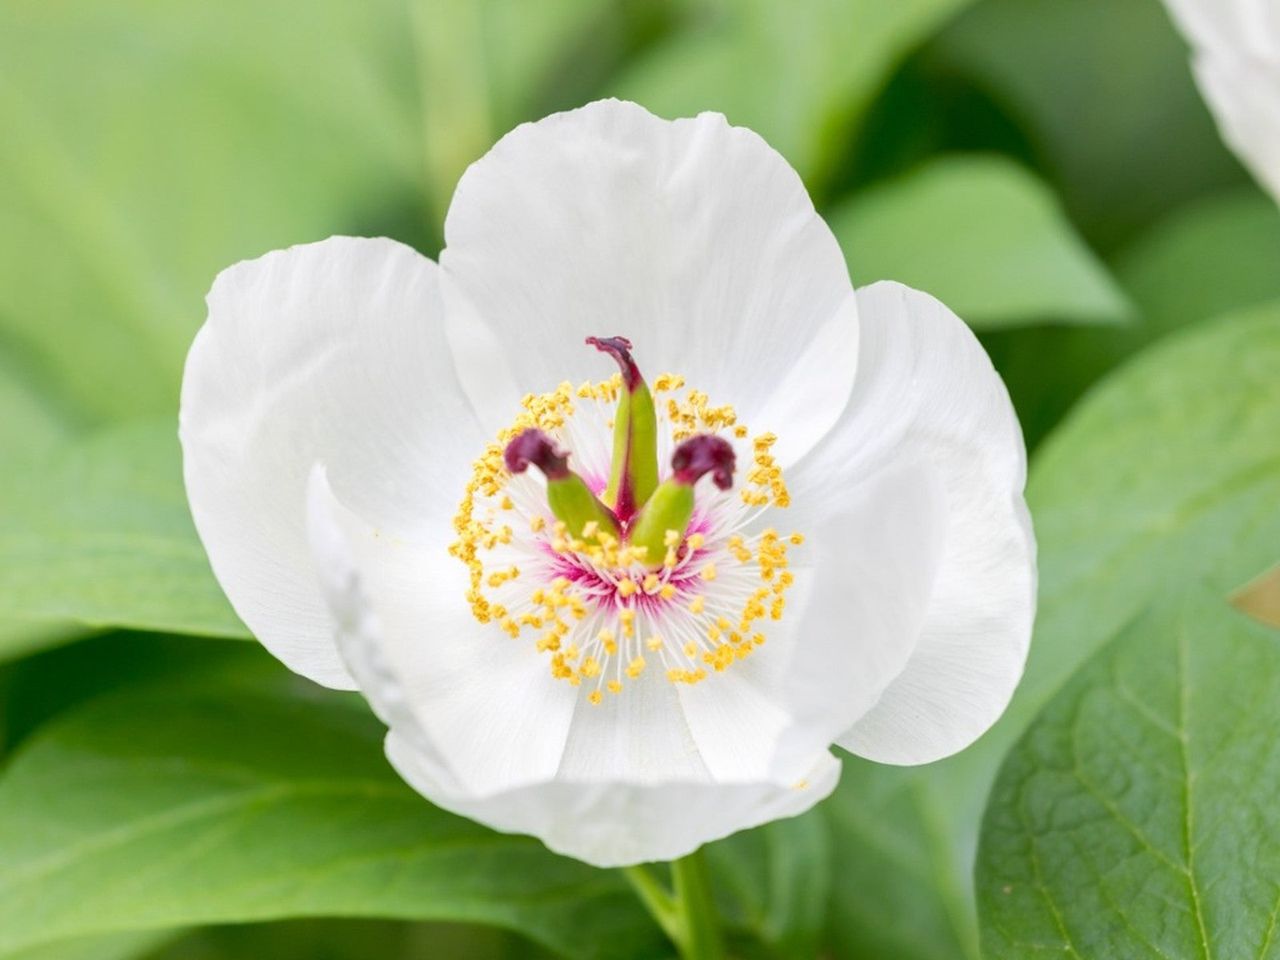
(799, 74)
(148, 146)
(1104, 89)
(53, 682)
(114, 946)
(187, 804)
(902, 842)
(774, 883)
(1137, 816)
(984, 235)
(1209, 258)
(99, 532)
(344, 939)
(30, 426)
(29, 421)
(1168, 473)
(486, 65)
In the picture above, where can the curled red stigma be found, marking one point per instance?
(704, 454)
(620, 349)
(532, 446)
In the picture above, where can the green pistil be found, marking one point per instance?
(664, 521)
(633, 476)
(670, 508)
(572, 502)
(568, 495)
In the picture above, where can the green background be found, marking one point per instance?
(1046, 167)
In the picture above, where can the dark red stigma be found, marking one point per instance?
(704, 454)
(620, 349)
(534, 446)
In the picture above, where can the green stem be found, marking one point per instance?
(688, 916)
(699, 920)
(656, 899)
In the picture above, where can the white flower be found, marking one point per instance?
(546, 680)
(1236, 46)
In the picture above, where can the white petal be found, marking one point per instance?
(693, 238)
(926, 393)
(491, 743)
(488, 701)
(874, 560)
(332, 351)
(616, 824)
(1237, 64)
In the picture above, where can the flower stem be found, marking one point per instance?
(687, 915)
(656, 899)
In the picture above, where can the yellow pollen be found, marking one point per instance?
(743, 577)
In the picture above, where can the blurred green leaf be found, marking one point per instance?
(1104, 88)
(774, 883)
(99, 532)
(1169, 473)
(114, 946)
(985, 236)
(20, 638)
(179, 805)
(29, 422)
(486, 65)
(30, 426)
(799, 74)
(326, 939)
(54, 681)
(901, 844)
(1206, 259)
(146, 147)
(1137, 816)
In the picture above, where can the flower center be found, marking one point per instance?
(616, 567)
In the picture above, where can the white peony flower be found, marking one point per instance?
(1236, 52)
(365, 467)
